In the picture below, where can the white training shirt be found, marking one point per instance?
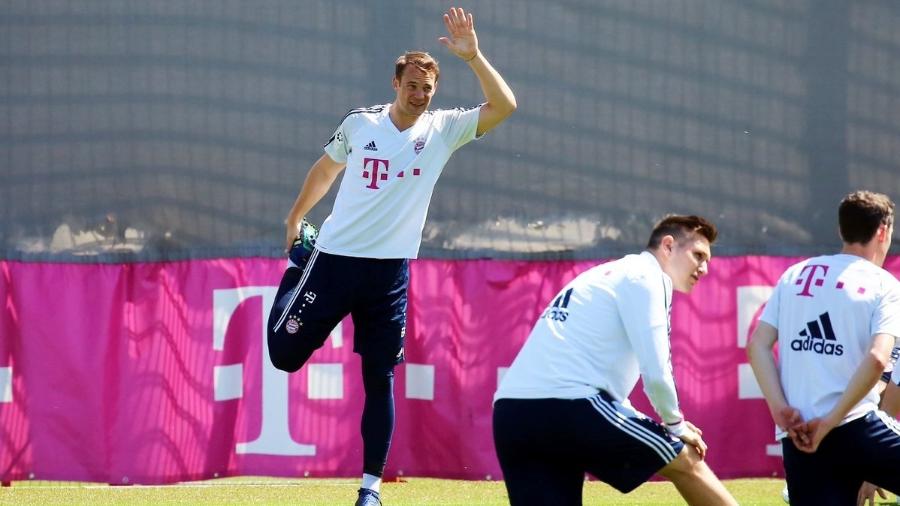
(605, 329)
(380, 208)
(826, 310)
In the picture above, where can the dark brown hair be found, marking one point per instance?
(682, 227)
(861, 213)
(419, 59)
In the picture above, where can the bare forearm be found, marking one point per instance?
(763, 363)
(315, 187)
(497, 93)
(863, 380)
(462, 41)
(500, 101)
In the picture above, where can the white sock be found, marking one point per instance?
(371, 482)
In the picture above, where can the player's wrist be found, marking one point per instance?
(678, 428)
(474, 55)
(292, 222)
(832, 420)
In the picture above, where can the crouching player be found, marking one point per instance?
(562, 408)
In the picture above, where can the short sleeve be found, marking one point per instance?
(337, 146)
(770, 311)
(458, 126)
(886, 317)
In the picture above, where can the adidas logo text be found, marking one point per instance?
(370, 146)
(818, 338)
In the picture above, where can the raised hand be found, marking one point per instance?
(462, 40)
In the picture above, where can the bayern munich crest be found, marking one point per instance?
(420, 145)
(292, 325)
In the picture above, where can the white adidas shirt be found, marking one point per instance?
(380, 208)
(606, 328)
(826, 310)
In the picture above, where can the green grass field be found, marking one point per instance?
(412, 492)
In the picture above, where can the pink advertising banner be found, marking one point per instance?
(158, 372)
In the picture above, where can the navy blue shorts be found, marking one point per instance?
(311, 302)
(546, 446)
(866, 449)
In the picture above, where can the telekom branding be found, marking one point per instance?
(275, 437)
(371, 168)
(158, 373)
(376, 169)
(812, 274)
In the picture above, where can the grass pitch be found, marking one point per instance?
(308, 492)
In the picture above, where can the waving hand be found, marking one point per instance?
(462, 40)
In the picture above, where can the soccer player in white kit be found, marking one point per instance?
(562, 408)
(391, 156)
(835, 319)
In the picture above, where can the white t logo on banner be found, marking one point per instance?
(274, 437)
(6, 384)
(749, 301)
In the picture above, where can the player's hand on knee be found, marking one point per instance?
(867, 494)
(693, 438)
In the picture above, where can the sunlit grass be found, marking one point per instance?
(411, 492)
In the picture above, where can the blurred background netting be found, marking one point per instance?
(171, 129)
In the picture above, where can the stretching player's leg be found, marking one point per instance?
(377, 425)
(537, 482)
(532, 451)
(309, 304)
(878, 443)
(282, 352)
(822, 478)
(695, 481)
(379, 320)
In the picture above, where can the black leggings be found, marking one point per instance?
(377, 425)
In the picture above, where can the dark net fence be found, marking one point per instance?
(167, 129)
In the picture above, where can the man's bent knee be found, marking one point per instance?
(686, 464)
(285, 354)
(287, 362)
(285, 365)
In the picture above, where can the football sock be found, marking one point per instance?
(371, 482)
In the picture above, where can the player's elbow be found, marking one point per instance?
(879, 360)
(880, 352)
(511, 105)
(502, 109)
(761, 341)
(754, 351)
